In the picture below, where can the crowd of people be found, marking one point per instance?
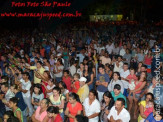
(98, 73)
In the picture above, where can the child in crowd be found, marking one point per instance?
(67, 79)
(76, 84)
(131, 79)
(37, 95)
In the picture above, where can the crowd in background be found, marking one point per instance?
(81, 73)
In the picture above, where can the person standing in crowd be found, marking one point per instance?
(57, 99)
(66, 57)
(102, 82)
(106, 104)
(118, 64)
(21, 104)
(38, 68)
(8, 93)
(58, 70)
(53, 115)
(81, 69)
(25, 89)
(76, 83)
(116, 80)
(124, 73)
(118, 112)
(116, 93)
(17, 112)
(83, 90)
(74, 107)
(88, 74)
(89, 108)
(134, 95)
(37, 96)
(67, 79)
(40, 113)
(72, 68)
(142, 105)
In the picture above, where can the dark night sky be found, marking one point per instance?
(153, 11)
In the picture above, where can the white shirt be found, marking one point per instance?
(109, 48)
(113, 83)
(124, 74)
(116, 68)
(122, 52)
(92, 109)
(72, 70)
(26, 86)
(123, 115)
(48, 87)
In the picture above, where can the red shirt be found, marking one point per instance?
(77, 86)
(74, 110)
(67, 81)
(58, 118)
(43, 89)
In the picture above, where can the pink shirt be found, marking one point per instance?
(137, 86)
(130, 77)
(39, 116)
(148, 111)
(147, 60)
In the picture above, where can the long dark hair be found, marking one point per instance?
(74, 96)
(109, 95)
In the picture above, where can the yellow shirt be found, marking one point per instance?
(144, 104)
(58, 102)
(41, 71)
(83, 93)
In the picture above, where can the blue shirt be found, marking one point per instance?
(21, 103)
(119, 96)
(150, 118)
(47, 48)
(102, 78)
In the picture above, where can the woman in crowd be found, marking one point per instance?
(64, 90)
(88, 74)
(49, 87)
(58, 70)
(37, 95)
(52, 61)
(89, 108)
(41, 112)
(46, 64)
(142, 105)
(53, 115)
(134, 95)
(148, 60)
(45, 77)
(57, 99)
(109, 70)
(80, 70)
(106, 104)
(116, 80)
(74, 107)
